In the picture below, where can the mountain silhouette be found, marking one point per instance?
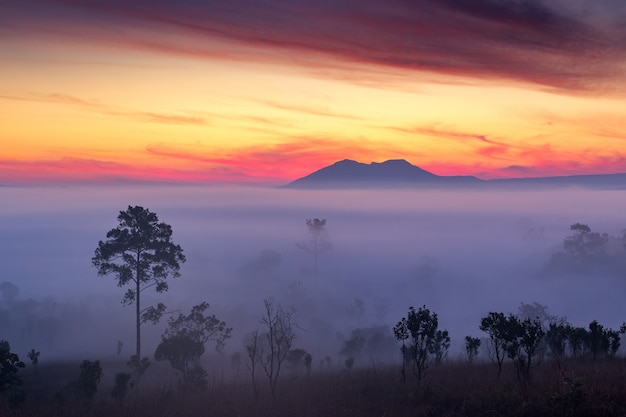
(398, 173)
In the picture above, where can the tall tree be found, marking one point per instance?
(319, 242)
(140, 253)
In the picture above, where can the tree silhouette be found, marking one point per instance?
(252, 343)
(33, 355)
(276, 341)
(516, 338)
(139, 252)
(319, 242)
(471, 347)
(183, 342)
(10, 365)
(494, 324)
(524, 338)
(582, 250)
(420, 339)
(585, 244)
(89, 378)
(577, 339)
(556, 338)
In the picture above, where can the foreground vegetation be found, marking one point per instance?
(581, 387)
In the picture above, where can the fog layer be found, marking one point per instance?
(460, 253)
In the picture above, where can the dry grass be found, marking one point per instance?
(581, 388)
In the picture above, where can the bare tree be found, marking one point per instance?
(252, 349)
(319, 242)
(275, 343)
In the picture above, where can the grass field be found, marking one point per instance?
(581, 387)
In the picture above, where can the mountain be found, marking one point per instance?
(398, 173)
(395, 172)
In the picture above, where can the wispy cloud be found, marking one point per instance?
(310, 110)
(563, 45)
(478, 143)
(96, 106)
(448, 134)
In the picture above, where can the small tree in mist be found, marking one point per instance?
(585, 245)
(352, 347)
(576, 339)
(594, 340)
(33, 355)
(252, 344)
(441, 345)
(10, 365)
(601, 340)
(401, 333)
(298, 360)
(524, 338)
(539, 311)
(516, 338)
(182, 343)
(614, 341)
(264, 266)
(471, 347)
(120, 389)
(9, 292)
(371, 343)
(494, 324)
(582, 249)
(556, 339)
(139, 252)
(418, 333)
(319, 242)
(89, 379)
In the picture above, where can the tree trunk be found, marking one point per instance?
(138, 310)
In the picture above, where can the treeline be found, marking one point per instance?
(524, 338)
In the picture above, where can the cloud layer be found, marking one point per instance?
(574, 47)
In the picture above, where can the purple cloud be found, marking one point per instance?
(560, 45)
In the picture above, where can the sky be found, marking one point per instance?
(267, 91)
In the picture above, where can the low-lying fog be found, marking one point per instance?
(461, 253)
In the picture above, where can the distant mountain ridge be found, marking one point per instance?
(399, 173)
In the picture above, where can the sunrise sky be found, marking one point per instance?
(266, 91)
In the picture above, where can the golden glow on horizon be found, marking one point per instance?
(88, 111)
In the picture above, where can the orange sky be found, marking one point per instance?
(164, 92)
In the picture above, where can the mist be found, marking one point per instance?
(460, 253)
